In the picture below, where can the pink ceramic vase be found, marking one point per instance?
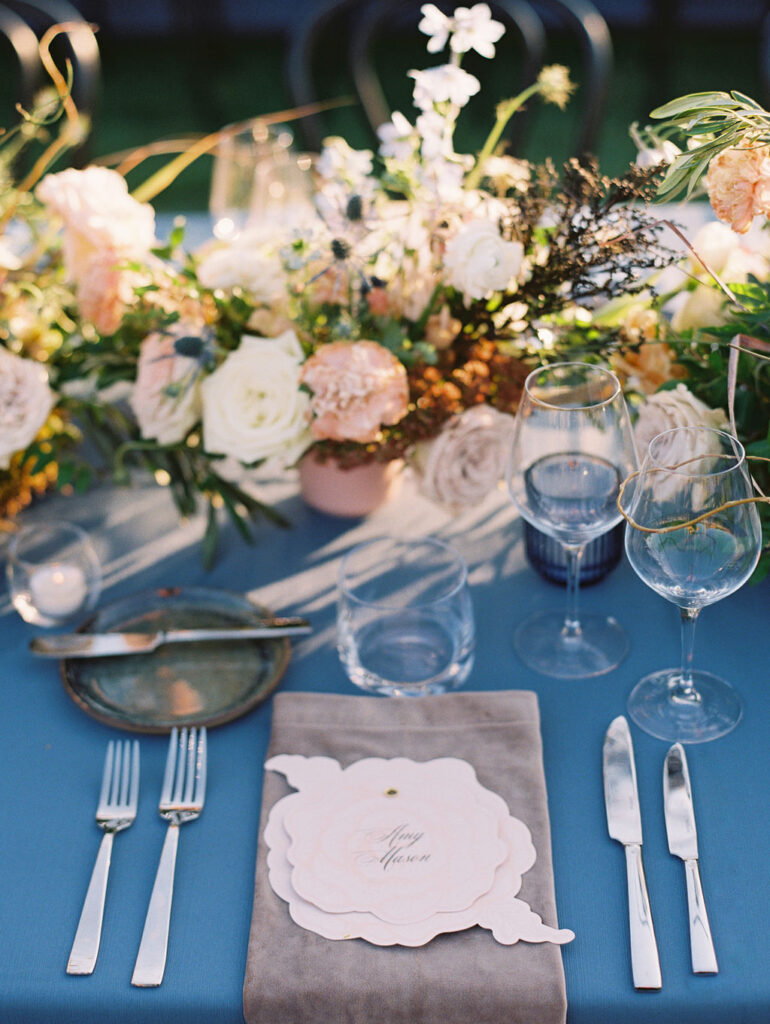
(349, 493)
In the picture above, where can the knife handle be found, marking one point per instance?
(645, 963)
(704, 958)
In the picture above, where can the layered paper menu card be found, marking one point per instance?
(396, 851)
(414, 834)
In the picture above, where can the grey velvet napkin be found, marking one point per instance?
(294, 976)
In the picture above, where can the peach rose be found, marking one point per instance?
(357, 387)
(738, 185)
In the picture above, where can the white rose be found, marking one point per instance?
(237, 266)
(705, 305)
(479, 261)
(676, 408)
(467, 459)
(253, 407)
(166, 397)
(98, 214)
(25, 402)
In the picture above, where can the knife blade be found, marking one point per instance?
(683, 843)
(105, 645)
(624, 822)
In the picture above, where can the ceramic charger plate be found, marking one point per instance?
(191, 684)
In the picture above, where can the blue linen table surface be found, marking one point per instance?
(51, 755)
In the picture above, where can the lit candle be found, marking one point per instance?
(58, 590)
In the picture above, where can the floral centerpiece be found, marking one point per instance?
(396, 318)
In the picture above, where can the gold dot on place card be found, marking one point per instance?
(391, 792)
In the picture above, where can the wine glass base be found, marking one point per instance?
(542, 643)
(654, 705)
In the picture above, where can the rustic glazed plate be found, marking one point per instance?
(178, 684)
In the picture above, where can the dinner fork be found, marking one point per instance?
(116, 810)
(181, 799)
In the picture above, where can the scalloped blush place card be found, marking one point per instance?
(371, 847)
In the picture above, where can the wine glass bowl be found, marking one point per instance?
(572, 446)
(694, 537)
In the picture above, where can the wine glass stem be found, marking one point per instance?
(683, 690)
(574, 553)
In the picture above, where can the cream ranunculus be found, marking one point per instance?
(105, 228)
(676, 408)
(25, 402)
(479, 261)
(166, 397)
(253, 407)
(467, 460)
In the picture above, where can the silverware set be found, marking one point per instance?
(624, 822)
(182, 795)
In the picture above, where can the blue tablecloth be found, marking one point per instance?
(51, 755)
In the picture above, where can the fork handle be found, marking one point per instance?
(85, 948)
(151, 958)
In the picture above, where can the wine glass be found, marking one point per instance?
(572, 446)
(691, 543)
(256, 174)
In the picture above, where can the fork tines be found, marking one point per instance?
(184, 780)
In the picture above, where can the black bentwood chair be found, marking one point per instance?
(23, 23)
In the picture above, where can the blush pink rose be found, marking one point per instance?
(738, 186)
(357, 388)
(166, 399)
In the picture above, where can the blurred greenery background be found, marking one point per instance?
(164, 85)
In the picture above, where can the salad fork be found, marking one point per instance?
(181, 800)
(116, 811)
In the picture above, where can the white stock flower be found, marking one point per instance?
(676, 408)
(435, 136)
(166, 397)
(474, 29)
(340, 162)
(397, 138)
(25, 402)
(242, 266)
(479, 261)
(471, 28)
(442, 84)
(435, 24)
(253, 407)
(467, 460)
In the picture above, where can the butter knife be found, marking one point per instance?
(683, 843)
(624, 821)
(105, 645)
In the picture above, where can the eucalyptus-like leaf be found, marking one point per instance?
(692, 102)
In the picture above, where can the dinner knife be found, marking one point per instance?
(105, 645)
(683, 843)
(624, 821)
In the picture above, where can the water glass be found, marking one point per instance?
(404, 617)
(53, 573)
